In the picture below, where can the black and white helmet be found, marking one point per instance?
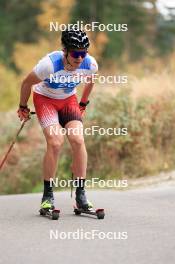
(74, 38)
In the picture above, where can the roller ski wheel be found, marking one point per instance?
(54, 214)
(77, 212)
(99, 213)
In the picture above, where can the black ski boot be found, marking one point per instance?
(48, 201)
(81, 200)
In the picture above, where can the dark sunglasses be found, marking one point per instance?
(77, 54)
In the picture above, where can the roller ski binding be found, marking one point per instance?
(83, 206)
(48, 208)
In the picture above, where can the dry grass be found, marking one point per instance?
(153, 85)
(149, 77)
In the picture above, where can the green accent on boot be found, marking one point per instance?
(90, 205)
(46, 205)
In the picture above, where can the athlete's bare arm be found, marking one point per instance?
(86, 91)
(26, 86)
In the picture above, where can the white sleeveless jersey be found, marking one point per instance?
(56, 82)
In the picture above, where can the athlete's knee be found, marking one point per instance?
(55, 144)
(76, 140)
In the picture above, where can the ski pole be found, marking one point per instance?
(72, 186)
(13, 142)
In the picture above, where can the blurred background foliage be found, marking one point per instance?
(145, 105)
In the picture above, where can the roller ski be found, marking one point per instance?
(48, 208)
(83, 206)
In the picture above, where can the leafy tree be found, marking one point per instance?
(17, 24)
(140, 21)
(165, 32)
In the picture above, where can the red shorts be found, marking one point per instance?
(53, 111)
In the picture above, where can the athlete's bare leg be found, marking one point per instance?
(77, 143)
(54, 143)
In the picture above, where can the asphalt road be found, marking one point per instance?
(142, 221)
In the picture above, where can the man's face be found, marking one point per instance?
(76, 57)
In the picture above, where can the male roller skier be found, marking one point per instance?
(56, 105)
